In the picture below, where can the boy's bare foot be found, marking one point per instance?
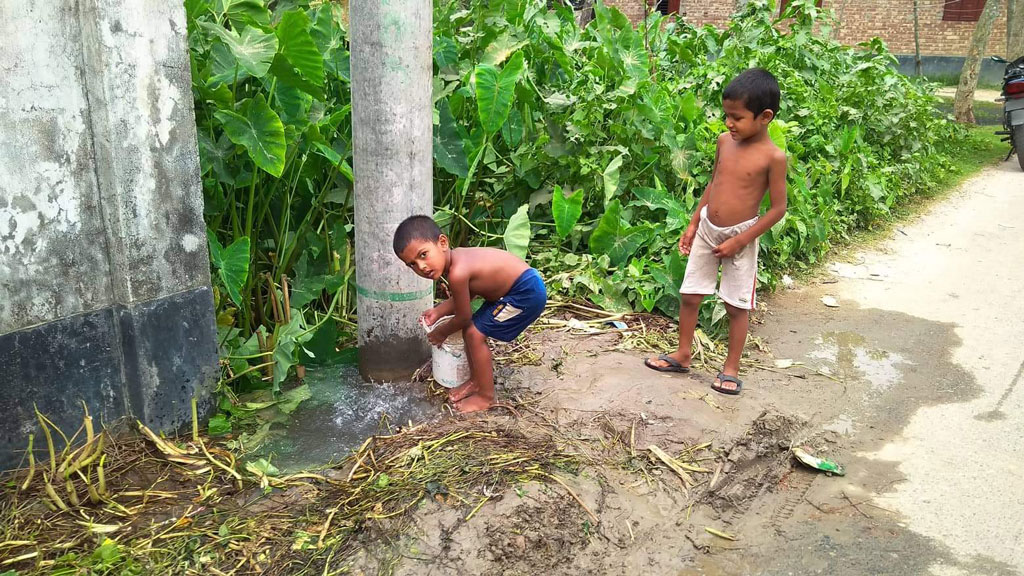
(461, 391)
(473, 403)
(674, 362)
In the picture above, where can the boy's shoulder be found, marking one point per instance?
(469, 260)
(765, 148)
(775, 154)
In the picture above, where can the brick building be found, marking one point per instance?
(945, 26)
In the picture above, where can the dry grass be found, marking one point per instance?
(183, 506)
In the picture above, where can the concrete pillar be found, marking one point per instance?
(391, 144)
(104, 272)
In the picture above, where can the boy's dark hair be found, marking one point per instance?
(756, 88)
(417, 227)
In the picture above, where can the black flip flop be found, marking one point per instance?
(726, 378)
(673, 364)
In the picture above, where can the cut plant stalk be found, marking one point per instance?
(31, 464)
(49, 442)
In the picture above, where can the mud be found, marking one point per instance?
(916, 333)
(788, 519)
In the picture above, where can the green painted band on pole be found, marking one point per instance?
(385, 296)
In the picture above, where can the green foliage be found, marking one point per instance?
(566, 210)
(272, 107)
(109, 558)
(517, 233)
(528, 106)
(219, 425)
(232, 264)
(629, 116)
(494, 92)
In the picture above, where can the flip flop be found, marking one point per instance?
(726, 378)
(673, 364)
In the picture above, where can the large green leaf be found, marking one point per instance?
(688, 106)
(517, 233)
(289, 338)
(777, 133)
(659, 199)
(293, 104)
(495, 92)
(512, 129)
(448, 150)
(245, 12)
(298, 48)
(216, 157)
(610, 176)
(323, 344)
(287, 75)
(446, 55)
(501, 48)
(232, 264)
(566, 210)
(254, 49)
(226, 69)
(259, 130)
(614, 238)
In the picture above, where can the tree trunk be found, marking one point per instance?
(963, 106)
(1014, 29)
(917, 41)
(584, 13)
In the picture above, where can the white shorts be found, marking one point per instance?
(739, 273)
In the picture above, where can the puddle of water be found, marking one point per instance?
(342, 412)
(847, 354)
(842, 425)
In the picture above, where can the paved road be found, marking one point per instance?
(964, 461)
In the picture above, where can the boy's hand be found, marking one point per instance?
(686, 241)
(430, 316)
(435, 338)
(728, 249)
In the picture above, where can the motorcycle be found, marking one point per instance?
(1013, 106)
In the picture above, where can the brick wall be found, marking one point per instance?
(633, 9)
(861, 20)
(893, 21)
(715, 12)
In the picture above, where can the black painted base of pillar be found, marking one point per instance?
(147, 360)
(394, 360)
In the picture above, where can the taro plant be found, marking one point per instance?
(271, 86)
(584, 150)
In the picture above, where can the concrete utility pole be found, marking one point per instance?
(392, 148)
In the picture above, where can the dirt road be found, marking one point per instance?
(912, 382)
(982, 94)
(931, 322)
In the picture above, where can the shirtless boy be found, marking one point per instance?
(514, 297)
(725, 227)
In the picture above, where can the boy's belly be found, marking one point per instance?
(730, 213)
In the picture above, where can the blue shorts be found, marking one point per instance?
(514, 312)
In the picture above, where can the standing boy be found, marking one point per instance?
(514, 296)
(724, 229)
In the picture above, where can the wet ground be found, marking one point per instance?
(911, 382)
(928, 411)
(341, 413)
